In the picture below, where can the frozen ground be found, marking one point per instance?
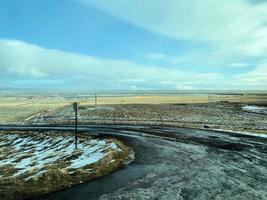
(177, 163)
(29, 157)
(255, 109)
(224, 115)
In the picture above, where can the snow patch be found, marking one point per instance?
(30, 155)
(263, 135)
(256, 109)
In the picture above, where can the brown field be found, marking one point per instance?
(156, 99)
(17, 109)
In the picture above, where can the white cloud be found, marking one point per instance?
(232, 33)
(19, 59)
(179, 59)
(239, 64)
(233, 27)
(255, 79)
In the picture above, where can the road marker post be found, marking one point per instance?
(75, 108)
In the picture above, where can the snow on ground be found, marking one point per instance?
(243, 132)
(30, 155)
(253, 108)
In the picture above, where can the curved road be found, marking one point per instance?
(175, 163)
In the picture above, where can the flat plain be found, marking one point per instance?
(17, 109)
(199, 164)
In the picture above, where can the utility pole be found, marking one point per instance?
(95, 100)
(75, 108)
(211, 96)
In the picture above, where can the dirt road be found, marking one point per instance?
(175, 163)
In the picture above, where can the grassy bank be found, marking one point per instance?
(32, 164)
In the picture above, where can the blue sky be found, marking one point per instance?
(150, 44)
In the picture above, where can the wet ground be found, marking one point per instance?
(176, 163)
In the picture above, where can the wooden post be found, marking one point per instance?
(75, 107)
(95, 100)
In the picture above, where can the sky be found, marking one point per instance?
(133, 44)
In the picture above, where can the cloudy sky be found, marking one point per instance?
(133, 44)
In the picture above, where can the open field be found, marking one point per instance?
(32, 164)
(227, 116)
(171, 162)
(16, 109)
(176, 99)
(228, 112)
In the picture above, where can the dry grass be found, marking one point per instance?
(17, 110)
(188, 99)
(51, 163)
